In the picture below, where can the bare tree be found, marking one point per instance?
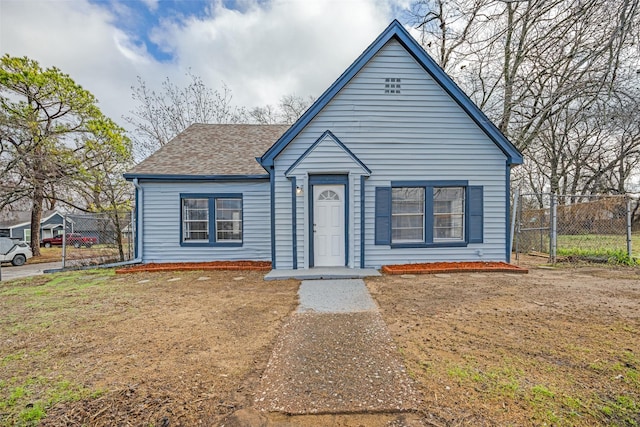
(159, 116)
(547, 72)
(448, 28)
(103, 188)
(286, 112)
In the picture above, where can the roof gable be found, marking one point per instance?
(23, 218)
(396, 31)
(328, 140)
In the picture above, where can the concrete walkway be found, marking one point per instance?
(335, 296)
(335, 355)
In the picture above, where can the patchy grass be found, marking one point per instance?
(91, 348)
(555, 347)
(23, 401)
(610, 248)
(37, 307)
(610, 256)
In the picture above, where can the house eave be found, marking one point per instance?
(194, 178)
(22, 224)
(339, 143)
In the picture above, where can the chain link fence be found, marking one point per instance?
(594, 228)
(97, 238)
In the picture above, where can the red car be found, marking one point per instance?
(74, 239)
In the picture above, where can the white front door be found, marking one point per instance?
(328, 225)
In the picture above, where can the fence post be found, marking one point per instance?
(629, 228)
(131, 236)
(514, 213)
(64, 240)
(519, 227)
(553, 232)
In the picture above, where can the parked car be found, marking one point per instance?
(15, 251)
(74, 239)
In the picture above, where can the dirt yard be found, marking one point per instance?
(555, 347)
(552, 347)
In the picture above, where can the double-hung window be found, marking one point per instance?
(228, 220)
(428, 213)
(195, 220)
(211, 219)
(448, 214)
(407, 214)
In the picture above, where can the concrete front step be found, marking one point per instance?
(317, 273)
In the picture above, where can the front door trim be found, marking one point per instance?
(323, 180)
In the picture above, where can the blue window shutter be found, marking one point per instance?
(476, 209)
(383, 216)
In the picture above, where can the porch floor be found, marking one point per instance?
(317, 273)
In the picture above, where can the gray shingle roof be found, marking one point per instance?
(11, 219)
(212, 149)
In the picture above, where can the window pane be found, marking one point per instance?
(448, 213)
(195, 220)
(407, 214)
(229, 220)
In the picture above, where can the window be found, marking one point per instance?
(429, 213)
(328, 195)
(229, 220)
(27, 234)
(448, 213)
(195, 219)
(211, 219)
(407, 214)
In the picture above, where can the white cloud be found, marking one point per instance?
(263, 52)
(81, 40)
(152, 5)
(285, 47)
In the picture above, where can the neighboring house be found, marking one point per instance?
(99, 225)
(392, 164)
(19, 225)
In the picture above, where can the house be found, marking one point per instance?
(18, 225)
(392, 164)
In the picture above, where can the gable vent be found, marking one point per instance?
(392, 85)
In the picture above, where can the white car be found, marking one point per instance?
(14, 251)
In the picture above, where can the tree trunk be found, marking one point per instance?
(118, 234)
(507, 74)
(36, 217)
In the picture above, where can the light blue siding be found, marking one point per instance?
(327, 157)
(161, 222)
(419, 134)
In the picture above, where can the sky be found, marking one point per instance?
(261, 50)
